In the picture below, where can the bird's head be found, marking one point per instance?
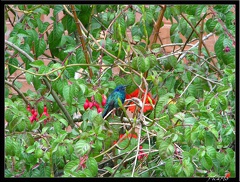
(121, 88)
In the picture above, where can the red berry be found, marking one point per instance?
(46, 114)
(86, 105)
(45, 108)
(99, 109)
(33, 111)
(104, 100)
(90, 105)
(32, 118)
(96, 104)
(28, 108)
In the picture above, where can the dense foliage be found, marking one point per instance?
(178, 119)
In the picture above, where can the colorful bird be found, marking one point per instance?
(112, 100)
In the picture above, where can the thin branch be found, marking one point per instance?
(158, 25)
(194, 29)
(19, 50)
(18, 91)
(82, 40)
(138, 145)
(188, 85)
(54, 94)
(200, 39)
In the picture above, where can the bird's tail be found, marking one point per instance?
(105, 111)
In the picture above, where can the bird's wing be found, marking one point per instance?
(109, 107)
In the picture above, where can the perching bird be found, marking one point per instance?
(112, 100)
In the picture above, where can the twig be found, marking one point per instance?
(66, 113)
(20, 50)
(158, 25)
(125, 9)
(200, 40)
(82, 40)
(188, 85)
(138, 145)
(18, 91)
(194, 29)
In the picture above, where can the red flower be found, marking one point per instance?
(130, 135)
(28, 108)
(96, 104)
(227, 175)
(141, 154)
(226, 49)
(34, 115)
(45, 112)
(83, 160)
(92, 104)
(147, 106)
(104, 100)
(86, 104)
(99, 109)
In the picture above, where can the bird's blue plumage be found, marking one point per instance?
(112, 100)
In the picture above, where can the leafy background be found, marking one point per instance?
(188, 132)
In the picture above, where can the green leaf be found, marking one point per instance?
(182, 26)
(223, 101)
(29, 77)
(14, 62)
(223, 89)
(40, 47)
(57, 9)
(81, 147)
(137, 34)
(153, 60)
(187, 167)
(169, 167)
(218, 47)
(36, 82)
(163, 100)
(61, 150)
(140, 50)
(214, 103)
(30, 149)
(190, 121)
(92, 166)
(211, 151)
(170, 83)
(172, 109)
(109, 169)
(130, 18)
(37, 63)
(173, 28)
(135, 63)
(71, 166)
(189, 99)
(69, 24)
(173, 61)
(209, 139)
(193, 151)
(66, 94)
(166, 149)
(9, 146)
(206, 162)
(208, 98)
